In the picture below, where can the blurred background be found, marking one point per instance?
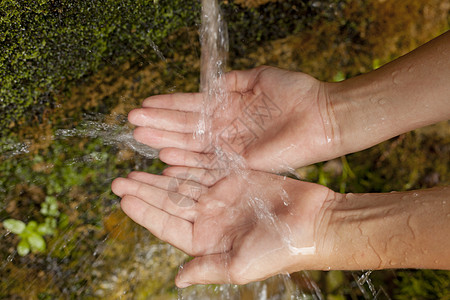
(70, 70)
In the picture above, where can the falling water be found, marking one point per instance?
(214, 44)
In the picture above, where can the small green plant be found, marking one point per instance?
(50, 207)
(32, 234)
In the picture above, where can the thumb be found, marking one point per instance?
(206, 269)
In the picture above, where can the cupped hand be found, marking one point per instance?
(243, 227)
(275, 119)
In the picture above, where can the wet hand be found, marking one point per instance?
(242, 227)
(275, 119)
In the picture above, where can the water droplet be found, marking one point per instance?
(382, 101)
(10, 257)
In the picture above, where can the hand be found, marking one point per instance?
(242, 228)
(275, 119)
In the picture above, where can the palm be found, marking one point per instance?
(240, 230)
(272, 119)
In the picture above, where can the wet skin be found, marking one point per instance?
(272, 119)
(238, 231)
(248, 225)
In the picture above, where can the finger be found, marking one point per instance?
(180, 157)
(242, 81)
(159, 139)
(171, 202)
(178, 101)
(184, 186)
(208, 269)
(171, 120)
(176, 231)
(206, 177)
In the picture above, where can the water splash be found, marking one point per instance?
(111, 134)
(369, 292)
(11, 148)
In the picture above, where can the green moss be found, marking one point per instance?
(46, 44)
(422, 284)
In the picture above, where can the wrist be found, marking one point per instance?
(349, 240)
(405, 94)
(358, 114)
(395, 230)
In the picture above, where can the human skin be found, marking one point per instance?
(245, 225)
(293, 130)
(278, 120)
(249, 225)
(411, 92)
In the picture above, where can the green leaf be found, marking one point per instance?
(51, 222)
(44, 209)
(15, 226)
(50, 199)
(31, 226)
(53, 210)
(50, 207)
(37, 242)
(23, 248)
(45, 229)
